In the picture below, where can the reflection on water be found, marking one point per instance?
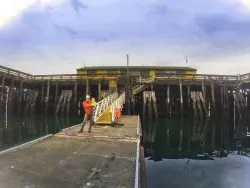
(182, 153)
(15, 130)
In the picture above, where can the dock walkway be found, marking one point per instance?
(104, 158)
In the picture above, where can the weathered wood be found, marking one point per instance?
(10, 102)
(56, 93)
(213, 100)
(59, 104)
(2, 90)
(154, 104)
(47, 96)
(33, 103)
(20, 96)
(64, 102)
(75, 92)
(69, 96)
(194, 104)
(181, 97)
(188, 95)
(87, 87)
(203, 89)
(99, 89)
(42, 96)
(168, 99)
(203, 103)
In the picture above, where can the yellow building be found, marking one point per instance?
(113, 73)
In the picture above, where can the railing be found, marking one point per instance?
(104, 104)
(138, 77)
(14, 72)
(140, 87)
(158, 76)
(137, 163)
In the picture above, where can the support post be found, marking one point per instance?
(168, 99)
(213, 98)
(47, 97)
(181, 97)
(11, 94)
(20, 96)
(203, 87)
(87, 87)
(2, 89)
(99, 89)
(56, 93)
(42, 97)
(75, 92)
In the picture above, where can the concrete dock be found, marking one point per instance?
(104, 158)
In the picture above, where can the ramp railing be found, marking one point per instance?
(114, 100)
(104, 104)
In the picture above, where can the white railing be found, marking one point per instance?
(118, 103)
(113, 101)
(104, 104)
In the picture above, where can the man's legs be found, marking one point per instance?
(91, 122)
(83, 123)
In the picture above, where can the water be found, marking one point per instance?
(175, 158)
(15, 130)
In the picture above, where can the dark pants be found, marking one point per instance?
(86, 118)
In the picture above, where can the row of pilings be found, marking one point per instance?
(208, 102)
(22, 97)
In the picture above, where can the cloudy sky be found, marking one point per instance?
(58, 36)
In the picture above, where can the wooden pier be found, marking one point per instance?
(107, 157)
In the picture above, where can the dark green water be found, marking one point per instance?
(178, 157)
(16, 130)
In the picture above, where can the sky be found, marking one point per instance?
(59, 36)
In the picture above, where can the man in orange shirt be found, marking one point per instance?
(87, 105)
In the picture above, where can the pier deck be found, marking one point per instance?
(69, 159)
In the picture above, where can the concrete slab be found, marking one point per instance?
(126, 131)
(67, 162)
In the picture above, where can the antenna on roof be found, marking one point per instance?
(186, 60)
(84, 64)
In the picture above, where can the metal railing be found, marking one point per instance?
(110, 75)
(104, 104)
(137, 163)
(16, 73)
(140, 87)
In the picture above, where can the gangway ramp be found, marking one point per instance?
(105, 109)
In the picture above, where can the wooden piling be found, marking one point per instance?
(42, 97)
(64, 102)
(75, 92)
(56, 93)
(10, 102)
(168, 99)
(99, 89)
(213, 100)
(20, 96)
(69, 96)
(181, 97)
(2, 89)
(203, 89)
(59, 104)
(154, 104)
(33, 103)
(87, 87)
(47, 97)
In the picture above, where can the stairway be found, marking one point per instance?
(105, 109)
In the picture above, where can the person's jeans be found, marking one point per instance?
(86, 118)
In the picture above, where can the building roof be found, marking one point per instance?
(137, 67)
